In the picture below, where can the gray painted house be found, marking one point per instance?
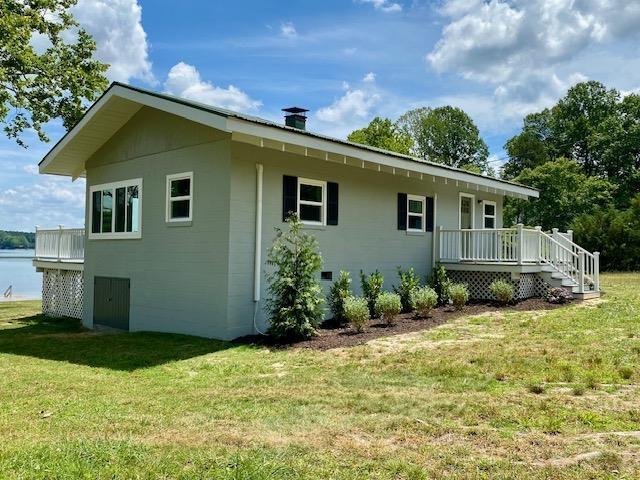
(182, 201)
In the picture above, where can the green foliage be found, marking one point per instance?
(340, 290)
(424, 300)
(525, 150)
(371, 288)
(565, 192)
(12, 240)
(382, 133)
(440, 283)
(295, 301)
(502, 290)
(446, 135)
(459, 295)
(409, 283)
(614, 233)
(356, 310)
(388, 305)
(36, 87)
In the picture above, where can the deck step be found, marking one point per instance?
(585, 295)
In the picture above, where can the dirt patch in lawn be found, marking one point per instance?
(329, 337)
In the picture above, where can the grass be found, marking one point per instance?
(544, 394)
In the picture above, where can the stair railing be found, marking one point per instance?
(8, 292)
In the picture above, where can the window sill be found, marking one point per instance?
(113, 237)
(181, 223)
(310, 226)
(415, 233)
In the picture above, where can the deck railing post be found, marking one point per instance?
(596, 271)
(581, 272)
(60, 227)
(520, 240)
(35, 243)
(539, 243)
(570, 235)
(438, 240)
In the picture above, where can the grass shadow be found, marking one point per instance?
(65, 340)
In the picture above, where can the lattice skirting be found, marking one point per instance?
(526, 286)
(62, 292)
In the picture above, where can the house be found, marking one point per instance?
(182, 200)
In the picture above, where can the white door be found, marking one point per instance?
(466, 222)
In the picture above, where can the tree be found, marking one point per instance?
(446, 135)
(525, 150)
(565, 192)
(382, 133)
(41, 84)
(295, 301)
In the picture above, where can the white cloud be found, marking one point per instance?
(116, 26)
(369, 77)
(384, 5)
(288, 30)
(184, 80)
(31, 169)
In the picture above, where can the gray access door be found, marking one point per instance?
(111, 302)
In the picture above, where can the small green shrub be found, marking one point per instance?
(340, 290)
(356, 310)
(388, 305)
(440, 282)
(424, 299)
(625, 372)
(591, 380)
(409, 283)
(578, 390)
(459, 295)
(503, 291)
(371, 288)
(536, 388)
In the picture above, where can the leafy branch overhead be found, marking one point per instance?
(47, 69)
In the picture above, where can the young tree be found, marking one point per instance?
(382, 133)
(38, 85)
(446, 135)
(295, 301)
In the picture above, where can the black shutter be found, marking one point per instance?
(402, 211)
(429, 206)
(289, 196)
(332, 203)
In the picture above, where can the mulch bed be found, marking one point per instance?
(335, 337)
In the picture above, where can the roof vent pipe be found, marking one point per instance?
(295, 117)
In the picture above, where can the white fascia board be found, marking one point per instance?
(278, 135)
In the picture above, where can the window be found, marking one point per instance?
(488, 214)
(115, 209)
(312, 201)
(180, 197)
(415, 213)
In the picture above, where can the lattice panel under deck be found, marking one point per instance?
(527, 286)
(62, 293)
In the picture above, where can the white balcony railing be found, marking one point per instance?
(521, 246)
(60, 244)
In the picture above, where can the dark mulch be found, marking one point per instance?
(333, 337)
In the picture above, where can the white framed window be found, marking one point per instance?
(466, 211)
(115, 210)
(415, 213)
(179, 197)
(488, 214)
(312, 201)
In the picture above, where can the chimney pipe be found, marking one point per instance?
(295, 117)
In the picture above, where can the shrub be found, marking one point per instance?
(371, 288)
(459, 295)
(340, 290)
(388, 305)
(625, 372)
(535, 387)
(424, 299)
(440, 283)
(409, 283)
(578, 390)
(356, 310)
(295, 296)
(558, 295)
(502, 290)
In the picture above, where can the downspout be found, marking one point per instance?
(435, 239)
(257, 259)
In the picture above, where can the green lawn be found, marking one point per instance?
(457, 401)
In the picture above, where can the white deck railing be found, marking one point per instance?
(60, 244)
(521, 246)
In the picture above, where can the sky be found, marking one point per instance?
(345, 60)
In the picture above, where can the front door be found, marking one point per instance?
(466, 223)
(111, 302)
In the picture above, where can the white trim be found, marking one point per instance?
(473, 209)
(322, 204)
(113, 235)
(423, 216)
(494, 216)
(169, 198)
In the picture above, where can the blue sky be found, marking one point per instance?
(347, 61)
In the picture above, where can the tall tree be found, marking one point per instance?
(382, 133)
(525, 150)
(446, 135)
(565, 192)
(41, 84)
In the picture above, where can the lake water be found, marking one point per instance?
(16, 270)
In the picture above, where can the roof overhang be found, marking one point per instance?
(119, 103)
